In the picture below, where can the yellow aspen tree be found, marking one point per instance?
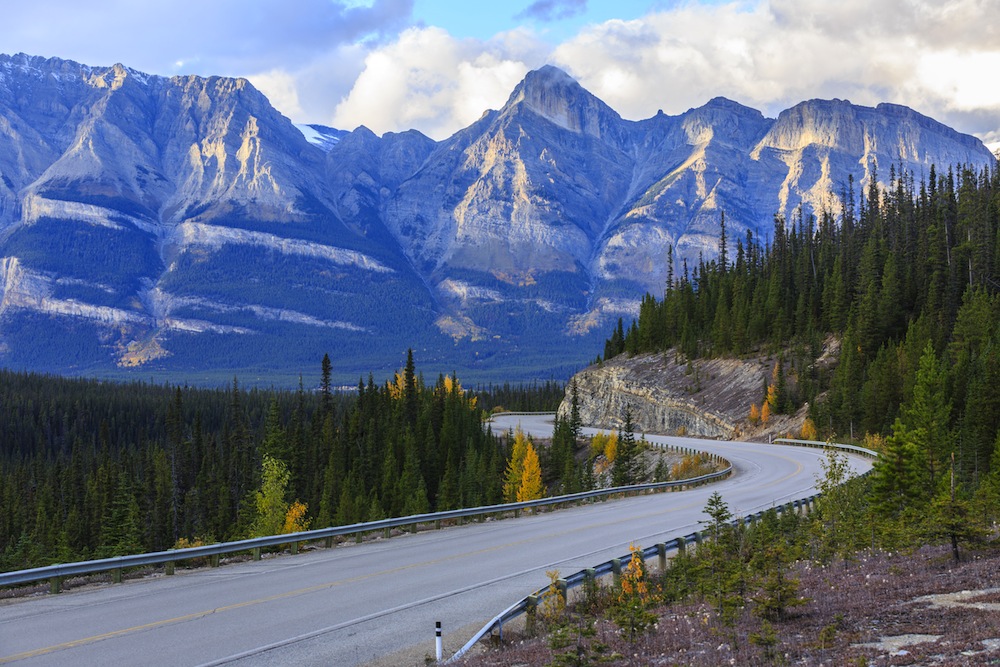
(515, 466)
(808, 430)
(597, 444)
(531, 477)
(611, 447)
(754, 414)
(765, 412)
(397, 386)
(295, 519)
(269, 499)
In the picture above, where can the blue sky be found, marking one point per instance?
(436, 65)
(553, 20)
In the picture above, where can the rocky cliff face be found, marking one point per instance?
(706, 397)
(187, 216)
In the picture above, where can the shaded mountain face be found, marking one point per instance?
(178, 224)
(182, 225)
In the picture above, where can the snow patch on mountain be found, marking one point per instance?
(321, 135)
(200, 234)
(35, 207)
(164, 303)
(24, 289)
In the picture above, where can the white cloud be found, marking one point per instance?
(352, 62)
(940, 58)
(431, 81)
(967, 81)
(281, 90)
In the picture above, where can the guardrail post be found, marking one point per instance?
(294, 548)
(387, 532)
(616, 570)
(214, 560)
(437, 524)
(168, 568)
(681, 544)
(328, 542)
(563, 587)
(590, 584)
(530, 614)
(256, 553)
(661, 553)
(55, 585)
(116, 575)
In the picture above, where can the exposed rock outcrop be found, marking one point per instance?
(667, 395)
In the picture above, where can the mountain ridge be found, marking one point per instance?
(187, 217)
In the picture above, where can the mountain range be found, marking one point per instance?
(182, 227)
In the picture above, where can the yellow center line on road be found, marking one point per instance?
(302, 591)
(239, 605)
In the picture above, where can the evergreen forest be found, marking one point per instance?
(94, 469)
(905, 279)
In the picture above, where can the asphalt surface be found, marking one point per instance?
(355, 604)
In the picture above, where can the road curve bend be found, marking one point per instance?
(356, 603)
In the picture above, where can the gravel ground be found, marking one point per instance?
(880, 609)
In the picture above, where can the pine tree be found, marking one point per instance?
(951, 517)
(120, 535)
(625, 468)
(575, 421)
(924, 418)
(899, 477)
(326, 383)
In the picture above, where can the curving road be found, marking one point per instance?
(352, 605)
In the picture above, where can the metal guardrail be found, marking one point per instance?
(510, 413)
(55, 573)
(614, 565)
(819, 444)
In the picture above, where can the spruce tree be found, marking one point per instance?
(624, 469)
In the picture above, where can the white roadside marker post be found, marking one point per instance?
(438, 649)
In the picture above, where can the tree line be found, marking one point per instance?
(93, 469)
(904, 278)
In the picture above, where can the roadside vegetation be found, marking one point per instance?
(844, 585)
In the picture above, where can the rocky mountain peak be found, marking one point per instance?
(114, 77)
(559, 98)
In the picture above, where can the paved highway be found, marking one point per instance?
(354, 604)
